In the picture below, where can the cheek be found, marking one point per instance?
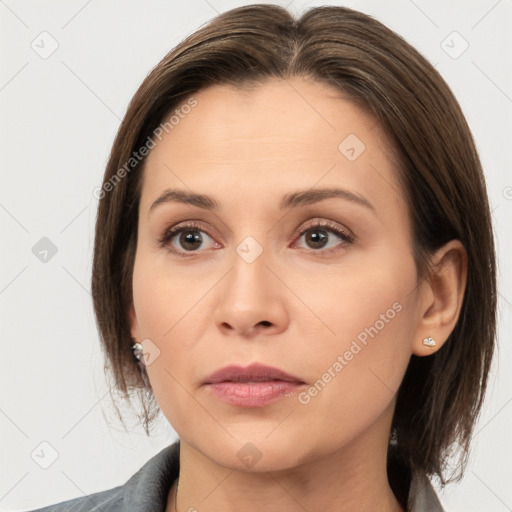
(171, 314)
(164, 299)
(361, 365)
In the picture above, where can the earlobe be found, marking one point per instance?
(442, 297)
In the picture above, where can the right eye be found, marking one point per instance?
(187, 238)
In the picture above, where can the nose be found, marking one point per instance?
(251, 301)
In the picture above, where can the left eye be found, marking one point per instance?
(322, 237)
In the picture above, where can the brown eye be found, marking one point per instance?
(190, 240)
(187, 239)
(317, 238)
(323, 238)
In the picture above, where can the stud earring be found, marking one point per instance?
(138, 351)
(429, 342)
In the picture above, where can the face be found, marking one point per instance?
(273, 231)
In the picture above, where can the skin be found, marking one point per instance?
(295, 307)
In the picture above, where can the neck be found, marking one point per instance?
(352, 478)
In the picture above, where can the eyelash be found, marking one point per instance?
(170, 233)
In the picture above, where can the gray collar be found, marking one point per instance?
(422, 496)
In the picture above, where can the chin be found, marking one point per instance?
(256, 452)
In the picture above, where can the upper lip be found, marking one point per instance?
(255, 372)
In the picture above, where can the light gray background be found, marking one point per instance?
(59, 116)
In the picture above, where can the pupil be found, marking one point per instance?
(316, 239)
(190, 240)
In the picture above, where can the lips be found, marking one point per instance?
(256, 385)
(254, 373)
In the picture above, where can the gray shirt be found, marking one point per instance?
(147, 490)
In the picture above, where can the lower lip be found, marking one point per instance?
(253, 394)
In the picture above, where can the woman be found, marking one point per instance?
(294, 261)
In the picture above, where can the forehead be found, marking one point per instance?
(269, 114)
(283, 134)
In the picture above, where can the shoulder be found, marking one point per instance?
(110, 500)
(146, 490)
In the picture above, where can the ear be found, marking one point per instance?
(441, 298)
(134, 324)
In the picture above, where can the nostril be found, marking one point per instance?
(246, 329)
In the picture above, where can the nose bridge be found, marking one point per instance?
(250, 297)
(248, 281)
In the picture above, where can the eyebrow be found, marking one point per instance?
(315, 195)
(185, 197)
(299, 198)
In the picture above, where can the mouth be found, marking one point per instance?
(256, 385)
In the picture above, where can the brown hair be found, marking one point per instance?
(440, 173)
